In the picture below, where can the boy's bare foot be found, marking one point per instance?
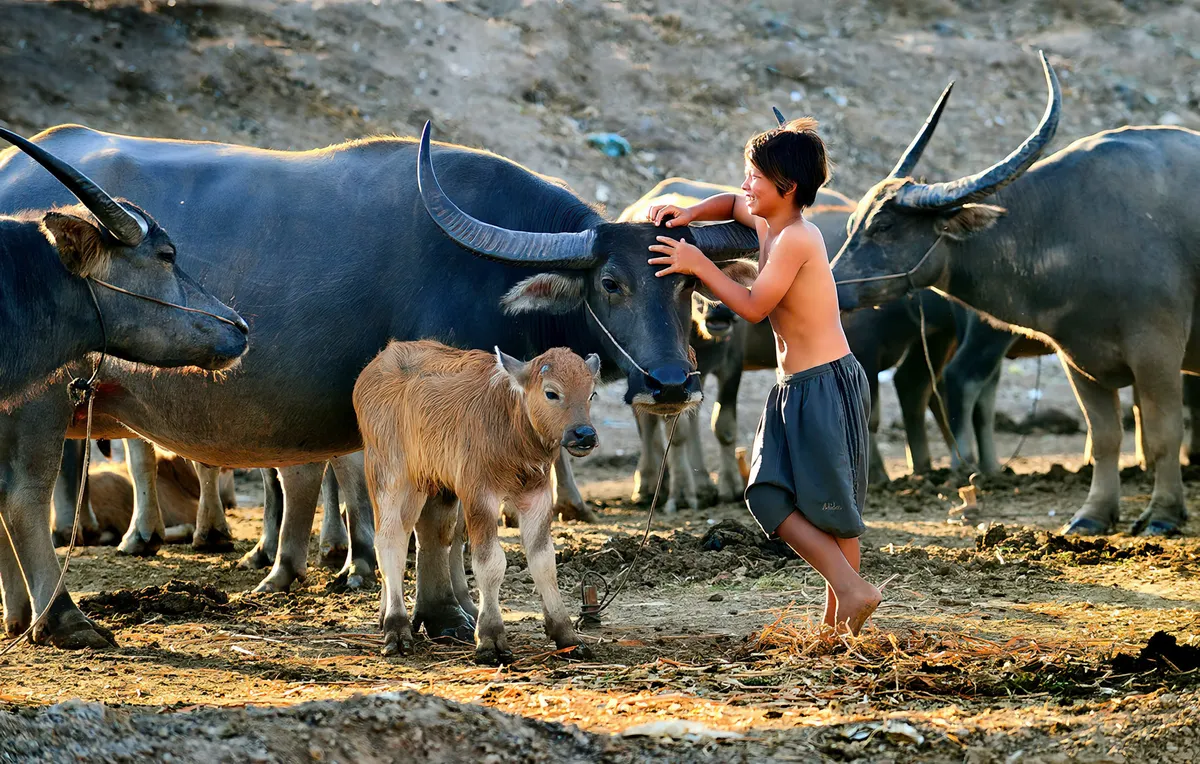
(854, 608)
(830, 608)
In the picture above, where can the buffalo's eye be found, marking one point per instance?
(551, 395)
(166, 254)
(610, 285)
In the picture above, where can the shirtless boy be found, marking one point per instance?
(808, 477)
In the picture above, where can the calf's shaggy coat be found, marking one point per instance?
(486, 428)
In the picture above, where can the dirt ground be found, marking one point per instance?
(990, 646)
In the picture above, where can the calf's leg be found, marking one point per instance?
(539, 553)
(263, 553)
(650, 459)
(487, 560)
(147, 532)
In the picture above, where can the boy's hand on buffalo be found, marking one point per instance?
(680, 257)
(673, 215)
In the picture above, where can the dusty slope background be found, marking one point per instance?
(1000, 652)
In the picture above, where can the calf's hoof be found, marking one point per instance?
(397, 638)
(444, 622)
(280, 579)
(333, 556)
(492, 655)
(256, 559)
(212, 540)
(138, 545)
(357, 575)
(571, 511)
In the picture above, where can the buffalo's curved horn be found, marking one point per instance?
(127, 226)
(724, 241)
(982, 184)
(779, 116)
(912, 154)
(545, 250)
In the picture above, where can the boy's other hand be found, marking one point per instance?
(672, 214)
(680, 257)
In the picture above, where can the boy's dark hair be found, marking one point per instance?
(792, 156)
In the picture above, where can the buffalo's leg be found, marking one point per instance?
(212, 528)
(335, 542)
(263, 553)
(146, 529)
(301, 486)
(913, 389)
(684, 472)
(31, 442)
(66, 497)
(568, 502)
(438, 606)
(724, 427)
(18, 612)
(985, 424)
(539, 553)
(358, 568)
(458, 570)
(650, 459)
(1101, 408)
(1191, 400)
(487, 560)
(877, 472)
(1161, 396)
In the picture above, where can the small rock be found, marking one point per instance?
(716, 597)
(1170, 118)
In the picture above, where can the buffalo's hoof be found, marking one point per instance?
(580, 512)
(333, 556)
(444, 622)
(74, 631)
(256, 559)
(17, 623)
(357, 575)
(707, 495)
(397, 645)
(1087, 526)
(581, 653)
(87, 537)
(492, 655)
(279, 580)
(212, 540)
(138, 545)
(1159, 522)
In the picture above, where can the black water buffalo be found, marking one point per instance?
(1094, 250)
(56, 305)
(329, 254)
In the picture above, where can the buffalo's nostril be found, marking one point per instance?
(667, 376)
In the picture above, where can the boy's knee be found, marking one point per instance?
(770, 505)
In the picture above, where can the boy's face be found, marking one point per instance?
(762, 198)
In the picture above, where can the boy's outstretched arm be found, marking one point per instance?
(789, 253)
(718, 207)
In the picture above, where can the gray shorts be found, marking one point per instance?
(811, 452)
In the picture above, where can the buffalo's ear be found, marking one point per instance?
(545, 292)
(79, 243)
(971, 219)
(515, 369)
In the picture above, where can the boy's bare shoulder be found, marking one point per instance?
(802, 239)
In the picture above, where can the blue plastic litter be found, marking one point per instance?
(610, 143)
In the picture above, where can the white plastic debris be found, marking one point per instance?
(679, 729)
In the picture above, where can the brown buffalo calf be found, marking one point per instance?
(486, 428)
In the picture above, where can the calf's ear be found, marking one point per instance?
(515, 369)
(546, 293)
(79, 243)
(593, 364)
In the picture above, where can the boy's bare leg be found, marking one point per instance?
(855, 599)
(850, 548)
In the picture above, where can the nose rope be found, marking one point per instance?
(164, 303)
(617, 345)
(906, 275)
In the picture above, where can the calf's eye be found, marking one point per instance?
(551, 395)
